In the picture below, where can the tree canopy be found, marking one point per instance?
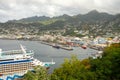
(39, 73)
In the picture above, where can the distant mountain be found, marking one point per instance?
(91, 16)
(95, 22)
(63, 17)
(94, 16)
(31, 19)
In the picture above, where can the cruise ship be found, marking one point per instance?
(15, 63)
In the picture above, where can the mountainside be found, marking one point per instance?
(94, 16)
(94, 22)
(31, 19)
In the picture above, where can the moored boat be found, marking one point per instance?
(84, 46)
(56, 46)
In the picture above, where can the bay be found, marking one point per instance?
(46, 53)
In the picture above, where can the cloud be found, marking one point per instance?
(17, 9)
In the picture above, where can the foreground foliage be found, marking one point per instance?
(108, 67)
(73, 69)
(39, 73)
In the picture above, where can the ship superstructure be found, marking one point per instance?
(15, 63)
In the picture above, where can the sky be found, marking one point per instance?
(17, 9)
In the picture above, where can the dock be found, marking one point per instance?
(66, 48)
(58, 46)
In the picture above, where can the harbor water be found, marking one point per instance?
(46, 53)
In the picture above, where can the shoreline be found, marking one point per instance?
(65, 47)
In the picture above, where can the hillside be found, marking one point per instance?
(96, 23)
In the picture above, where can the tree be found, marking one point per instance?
(107, 67)
(39, 73)
(73, 69)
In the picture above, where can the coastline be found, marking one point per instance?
(52, 44)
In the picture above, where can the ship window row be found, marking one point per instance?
(23, 68)
(6, 71)
(18, 67)
(16, 64)
(12, 68)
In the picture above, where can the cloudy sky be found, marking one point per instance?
(17, 9)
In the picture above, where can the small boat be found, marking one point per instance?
(56, 46)
(84, 46)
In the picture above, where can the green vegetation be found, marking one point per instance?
(105, 68)
(73, 69)
(48, 22)
(39, 73)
